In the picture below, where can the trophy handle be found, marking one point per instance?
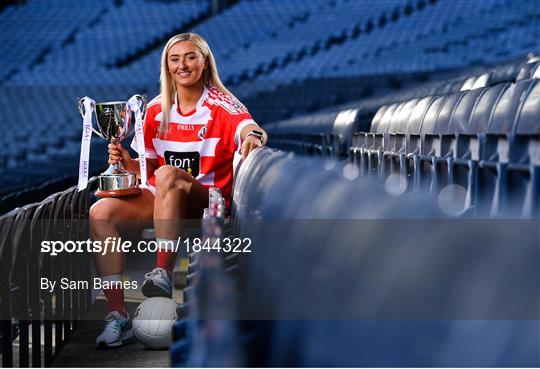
(143, 100)
(80, 102)
(82, 112)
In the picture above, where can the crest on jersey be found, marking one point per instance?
(202, 132)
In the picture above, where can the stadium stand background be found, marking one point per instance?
(282, 59)
(414, 96)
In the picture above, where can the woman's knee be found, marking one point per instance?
(170, 178)
(102, 210)
(102, 218)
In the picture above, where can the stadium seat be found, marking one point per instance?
(399, 124)
(503, 108)
(528, 120)
(384, 124)
(483, 110)
(414, 124)
(443, 118)
(460, 120)
(432, 114)
(377, 119)
(529, 70)
(505, 112)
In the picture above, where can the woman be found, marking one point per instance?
(192, 132)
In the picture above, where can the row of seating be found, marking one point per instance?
(325, 133)
(523, 68)
(496, 174)
(298, 98)
(31, 177)
(324, 273)
(47, 145)
(500, 99)
(206, 269)
(472, 39)
(315, 144)
(239, 29)
(503, 108)
(399, 45)
(331, 20)
(323, 51)
(49, 26)
(119, 33)
(42, 94)
(37, 323)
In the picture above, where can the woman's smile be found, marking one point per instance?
(186, 63)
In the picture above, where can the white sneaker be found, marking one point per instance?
(117, 330)
(157, 284)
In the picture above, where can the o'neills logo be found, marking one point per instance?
(185, 127)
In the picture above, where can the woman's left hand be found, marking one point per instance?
(250, 144)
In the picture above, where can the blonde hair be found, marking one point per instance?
(210, 75)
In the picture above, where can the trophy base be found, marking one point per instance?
(117, 182)
(117, 193)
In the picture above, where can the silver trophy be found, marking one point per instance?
(115, 121)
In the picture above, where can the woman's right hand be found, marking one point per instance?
(117, 153)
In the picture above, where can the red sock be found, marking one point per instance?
(165, 260)
(115, 295)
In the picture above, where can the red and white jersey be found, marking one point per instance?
(204, 142)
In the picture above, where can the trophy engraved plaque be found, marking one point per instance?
(115, 120)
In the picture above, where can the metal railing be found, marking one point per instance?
(498, 172)
(35, 322)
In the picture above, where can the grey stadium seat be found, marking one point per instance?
(461, 118)
(384, 124)
(446, 112)
(485, 105)
(528, 120)
(418, 114)
(377, 119)
(430, 120)
(394, 119)
(506, 109)
(400, 124)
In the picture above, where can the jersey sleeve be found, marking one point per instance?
(150, 128)
(239, 122)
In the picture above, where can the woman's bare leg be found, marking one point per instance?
(179, 196)
(108, 217)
